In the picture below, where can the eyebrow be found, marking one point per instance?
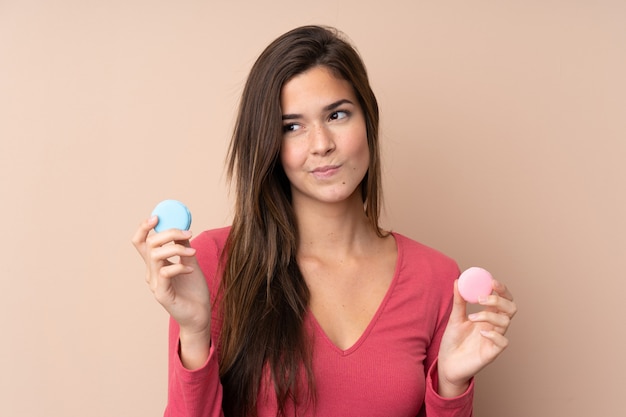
(331, 106)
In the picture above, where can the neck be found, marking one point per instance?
(333, 230)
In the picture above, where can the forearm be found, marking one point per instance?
(194, 349)
(447, 389)
(442, 403)
(194, 388)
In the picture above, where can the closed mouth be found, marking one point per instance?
(324, 169)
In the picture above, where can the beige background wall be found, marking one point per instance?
(504, 129)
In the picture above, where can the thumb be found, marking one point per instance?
(459, 306)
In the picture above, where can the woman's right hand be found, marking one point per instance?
(178, 285)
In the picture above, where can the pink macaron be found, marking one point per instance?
(474, 283)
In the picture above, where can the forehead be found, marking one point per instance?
(316, 86)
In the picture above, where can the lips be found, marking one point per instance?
(325, 171)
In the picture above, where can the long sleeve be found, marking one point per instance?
(198, 393)
(437, 406)
(434, 404)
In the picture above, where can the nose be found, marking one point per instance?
(322, 142)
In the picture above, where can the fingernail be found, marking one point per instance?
(482, 299)
(472, 317)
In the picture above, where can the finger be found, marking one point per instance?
(498, 321)
(502, 290)
(141, 234)
(189, 260)
(184, 242)
(498, 339)
(163, 253)
(499, 304)
(163, 280)
(168, 236)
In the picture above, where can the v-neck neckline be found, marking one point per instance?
(355, 346)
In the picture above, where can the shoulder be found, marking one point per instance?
(217, 236)
(209, 247)
(211, 241)
(424, 281)
(415, 258)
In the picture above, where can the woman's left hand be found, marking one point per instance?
(471, 342)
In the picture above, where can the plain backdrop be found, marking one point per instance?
(504, 146)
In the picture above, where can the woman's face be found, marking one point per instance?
(324, 152)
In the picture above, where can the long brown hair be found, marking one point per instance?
(264, 296)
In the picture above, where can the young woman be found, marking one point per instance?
(305, 306)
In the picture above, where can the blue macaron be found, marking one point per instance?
(172, 214)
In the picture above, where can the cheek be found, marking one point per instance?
(361, 150)
(289, 156)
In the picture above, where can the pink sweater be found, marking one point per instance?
(391, 371)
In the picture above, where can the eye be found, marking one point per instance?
(339, 114)
(290, 127)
